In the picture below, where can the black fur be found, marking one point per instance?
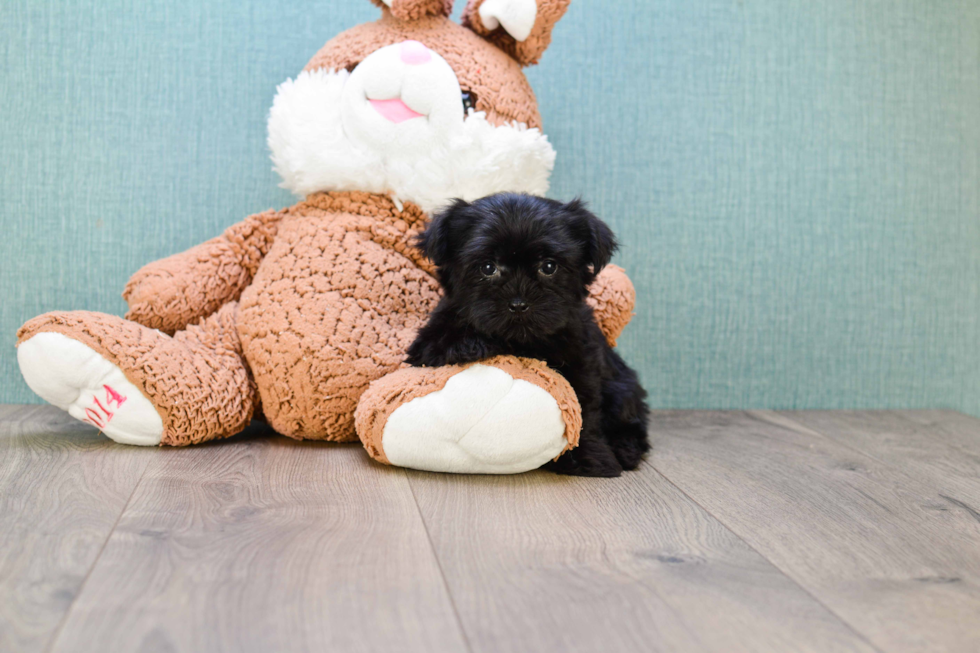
(480, 315)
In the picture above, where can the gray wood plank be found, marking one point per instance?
(266, 544)
(62, 488)
(539, 562)
(958, 428)
(863, 537)
(9, 412)
(941, 448)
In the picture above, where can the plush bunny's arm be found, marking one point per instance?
(612, 298)
(181, 289)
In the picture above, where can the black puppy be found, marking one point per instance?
(516, 271)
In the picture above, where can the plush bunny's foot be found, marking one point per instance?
(502, 416)
(483, 420)
(137, 385)
(73, 377)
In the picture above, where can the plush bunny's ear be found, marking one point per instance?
(415, 9)
(522, 28)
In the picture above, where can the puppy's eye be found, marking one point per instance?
(488, 269)
(548, 268)
(469, 102)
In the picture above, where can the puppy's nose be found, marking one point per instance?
(414, 53)
(518, 305)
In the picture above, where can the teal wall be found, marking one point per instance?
(796, 183)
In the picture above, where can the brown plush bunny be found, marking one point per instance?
(290, 315)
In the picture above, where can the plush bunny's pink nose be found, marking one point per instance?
(414, 53)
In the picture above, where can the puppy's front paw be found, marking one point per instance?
(502, 416)
(592, 458)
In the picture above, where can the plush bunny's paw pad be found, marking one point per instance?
(75, 378)
(484, 421)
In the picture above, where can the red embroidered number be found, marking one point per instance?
(98, 415)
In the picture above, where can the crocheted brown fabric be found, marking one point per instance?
(388, 393)
(612, 298)
(415, 9)
(334, 306)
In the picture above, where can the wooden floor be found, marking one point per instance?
(758, 531)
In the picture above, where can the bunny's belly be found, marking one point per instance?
(333, 306)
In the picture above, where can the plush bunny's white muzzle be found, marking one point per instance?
(402, 95)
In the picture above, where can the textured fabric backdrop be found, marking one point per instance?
(795, 183)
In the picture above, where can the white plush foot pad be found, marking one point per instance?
(482, 422)
(71, 376)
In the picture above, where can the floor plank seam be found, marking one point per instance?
(435, 556)
(904, 417)
(793, 580)
(884, 463)
(960, 504)
(803, 428)
(95, 563)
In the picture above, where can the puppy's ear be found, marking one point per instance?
(444, 233)
(597, 239)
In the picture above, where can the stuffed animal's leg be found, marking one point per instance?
(500, 416)
(136, 384)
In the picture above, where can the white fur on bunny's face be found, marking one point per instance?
(325, 135)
